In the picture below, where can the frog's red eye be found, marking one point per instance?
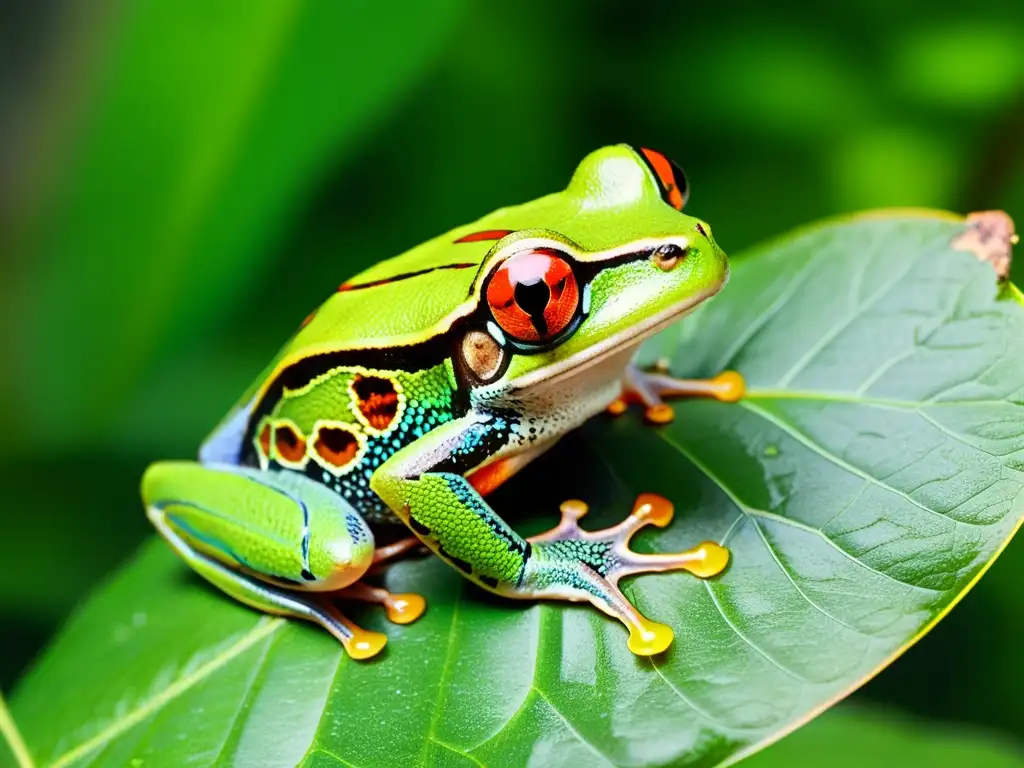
(533, 295)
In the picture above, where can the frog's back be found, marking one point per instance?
(419, 294)
(396, 314)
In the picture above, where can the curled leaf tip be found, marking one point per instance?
(990, 236)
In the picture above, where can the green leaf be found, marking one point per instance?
(12, 746)
(852, 737)
(871, 475)
(208, 128)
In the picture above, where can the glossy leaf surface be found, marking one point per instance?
(873, 472)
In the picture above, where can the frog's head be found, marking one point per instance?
(584, 275)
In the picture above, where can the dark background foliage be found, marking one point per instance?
(121, 346)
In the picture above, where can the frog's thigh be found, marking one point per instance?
(264, 538)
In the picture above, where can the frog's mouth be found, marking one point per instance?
(617, 344)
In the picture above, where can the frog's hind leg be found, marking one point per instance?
(427, 488)
(358, 643)
(649, 388)
(279, 543)
(604, 557)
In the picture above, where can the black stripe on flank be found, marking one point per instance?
(462, 565)
(412, 358)
(418, 527)
(345, 287)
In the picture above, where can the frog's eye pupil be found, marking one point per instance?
(533, 295)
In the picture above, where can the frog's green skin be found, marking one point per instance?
(405, 398)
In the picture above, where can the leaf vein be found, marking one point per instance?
(778, 561)
(262, 629)
(11, 734)
(759, 322)
(807, 442)
(455, 750)
(762, 513)
(832, 333)
(569, 726)
(445, 671)
(253, 677)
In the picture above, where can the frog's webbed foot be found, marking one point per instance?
(572, 564)
(649, 388)
(402, 608)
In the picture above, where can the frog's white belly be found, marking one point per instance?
(551, 409)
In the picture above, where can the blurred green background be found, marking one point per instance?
(180, 183)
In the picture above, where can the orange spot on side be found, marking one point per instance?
(666, 177)
(309, 318)
(487, 478)
(290, 444)
(487, 234)
(336, 446)
(377, 400)
(264, 440)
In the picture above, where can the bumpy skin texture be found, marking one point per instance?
(377, 401)
(382, 411)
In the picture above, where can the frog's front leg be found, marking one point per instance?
(425, 486)
(649, 388)
(276, 541)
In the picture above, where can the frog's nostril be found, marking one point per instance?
(700, 228)
(667, 256)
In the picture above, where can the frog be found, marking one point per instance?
(430, 379)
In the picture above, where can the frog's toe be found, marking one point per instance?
(650, 388)
(705, 560)
(649, 638)
(402, 608)
(358, 643)
(574, 564)
(365, 644)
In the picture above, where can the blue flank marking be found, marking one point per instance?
(224, 446)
